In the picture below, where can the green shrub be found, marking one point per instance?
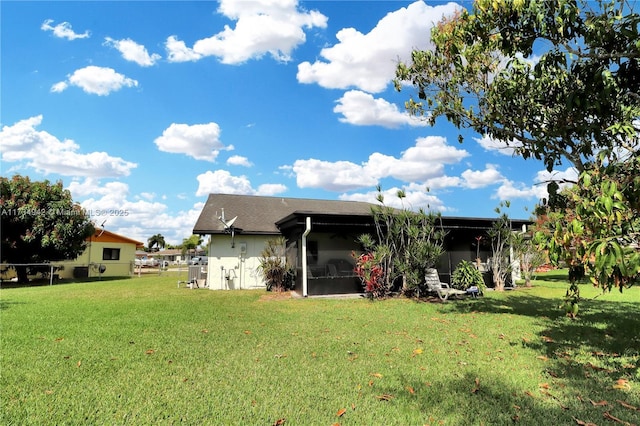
(467, 275)
(278, 274)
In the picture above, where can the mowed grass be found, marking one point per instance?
(142, 351)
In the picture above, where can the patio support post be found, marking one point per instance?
(304, 256)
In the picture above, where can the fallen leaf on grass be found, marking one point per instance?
(608, 416)
(411, 390)
(622, 384)
(543, 358)
(336, 424)
(416, 352)
(547, 339)
(599, 403)
(341, 412)
(48, 392)
(280, 356)
(385, 397)
(377, 375)
(477, 387)
(248, 332)
(279, 422)
(204, 331)
(79, 363)
(629, 406)
(595, 367)
(149, 351)
(544, 386)
(59, 339)
(529, 394)
(581, 423)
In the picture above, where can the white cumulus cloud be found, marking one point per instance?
(416, 197)
(47, 154)
(332, 176)
(420, 163)
(491, 144)
(135, 216)
(221, 181)
(133, 52)
(96, 81)
(362, 109)
(62, 30)
(261, 27)
(238, 160)
(368, 61)
(474, 179)
(200, 141)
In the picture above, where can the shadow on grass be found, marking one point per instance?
(44, 282)
(6, 304)
(601, 327)
(481, 398)
(595, 357)
(471, 399)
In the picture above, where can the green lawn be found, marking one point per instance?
(142, 351)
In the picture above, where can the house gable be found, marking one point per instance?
(104, 236)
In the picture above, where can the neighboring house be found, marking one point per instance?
(321, 236)
(173, 256)
(107, 255)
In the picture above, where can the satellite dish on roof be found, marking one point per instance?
(228, 226)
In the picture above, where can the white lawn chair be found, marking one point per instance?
(434, 285)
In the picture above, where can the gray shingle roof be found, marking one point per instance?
(258, 215)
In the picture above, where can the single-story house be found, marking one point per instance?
(173, 256)
(107, 255)
(321, 236)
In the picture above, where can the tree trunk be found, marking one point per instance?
(21, 272)
(498, 282)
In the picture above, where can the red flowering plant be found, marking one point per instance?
(371, 273)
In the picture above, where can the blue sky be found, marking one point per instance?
(145, 108)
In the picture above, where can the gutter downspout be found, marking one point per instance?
(304, 256)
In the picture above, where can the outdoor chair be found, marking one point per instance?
(435, 286)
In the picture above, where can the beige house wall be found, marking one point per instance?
(92, 258)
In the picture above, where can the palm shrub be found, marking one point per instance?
(406, 243)
(467, 275)
(278, 274)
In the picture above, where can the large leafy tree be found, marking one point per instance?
(190, 244)
(40, 223)
(556, 80)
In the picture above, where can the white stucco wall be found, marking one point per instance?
(235, 267)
